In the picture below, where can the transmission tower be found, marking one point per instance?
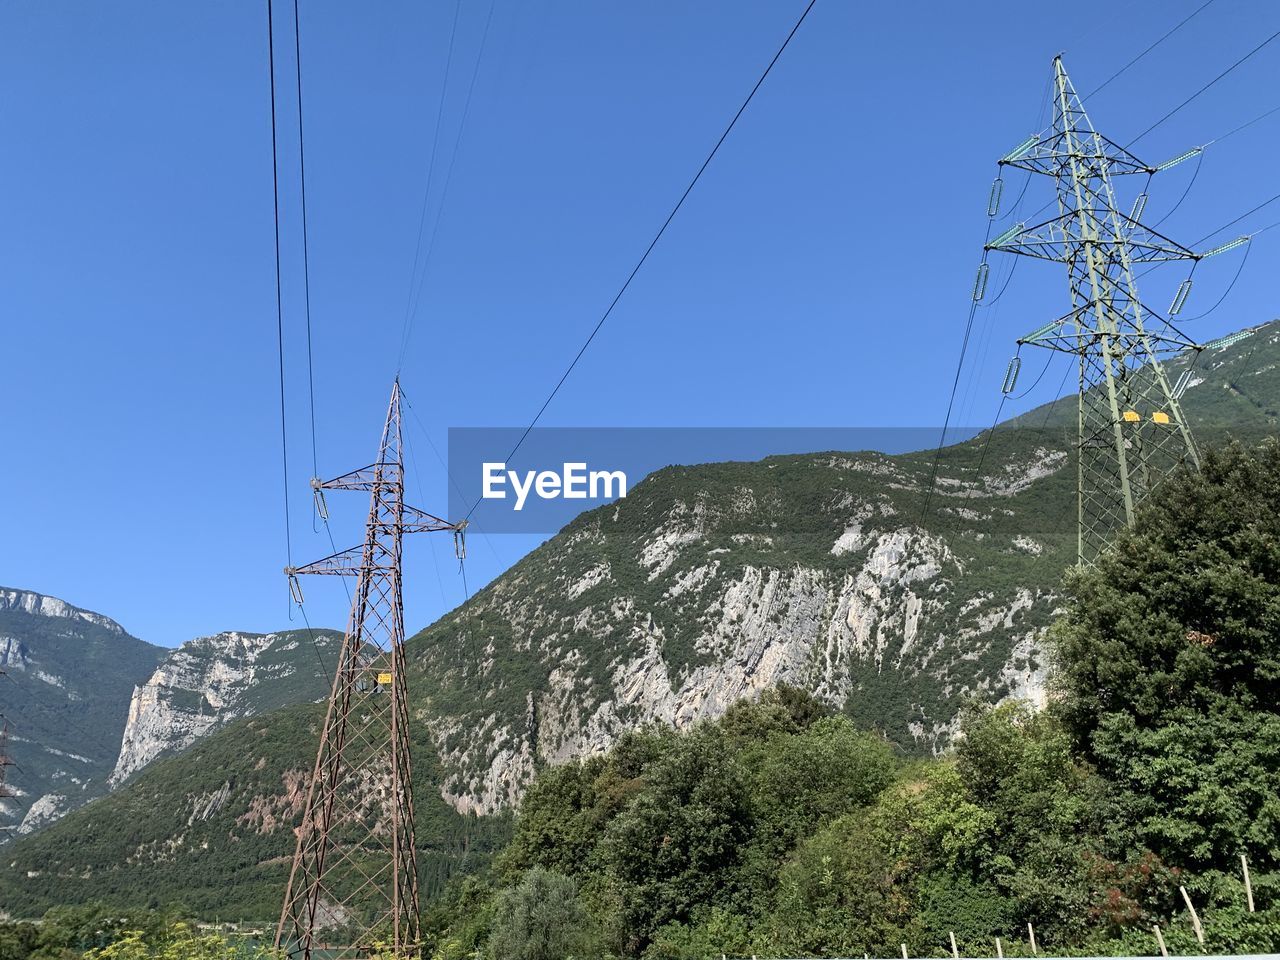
(1131, 431)
(354, 881)
(5, 761)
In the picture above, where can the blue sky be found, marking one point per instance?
(818, 275)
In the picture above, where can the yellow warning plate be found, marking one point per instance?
(1131, 416)
(1160, 417)
(384, 678)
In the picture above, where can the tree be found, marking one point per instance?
(1169, 663)
(1042, 840)
(853, 886)
(812, 776)
(540, 918)
(564, 814)
(677, 845)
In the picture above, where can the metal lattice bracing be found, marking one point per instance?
(5, 762)
(1131, 430)
(354, 881)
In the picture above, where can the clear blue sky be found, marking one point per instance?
(818, 276)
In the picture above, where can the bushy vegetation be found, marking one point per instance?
(784, 830)
(101, 933)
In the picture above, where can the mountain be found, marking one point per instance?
(90, 705)
(69, 674)
(210, 681)
(704, 585)
(828, 572)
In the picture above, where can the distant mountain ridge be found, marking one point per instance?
(39, 604)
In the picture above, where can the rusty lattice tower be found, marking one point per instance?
(1131, 430)
(354, 881)
(5, 761)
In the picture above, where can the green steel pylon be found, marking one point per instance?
(1132, 432)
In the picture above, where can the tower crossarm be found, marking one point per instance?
(344, 563)
(1072, 333)
(419, 521)
(1052, 155)
(366, 478)
(1063, 239)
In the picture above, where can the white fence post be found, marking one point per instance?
(1195, 918)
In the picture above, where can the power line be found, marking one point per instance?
(987, 317)
(1195, 175)
(1248, 123)
(955, 383)
(416, 296)
(306, 258)
(1269, 226)
(306, 275)
(431, 169)
(324, 669)
(1232, 223)
(1035, 383)
(1189, 99)
(658, 236)
(448, 473)
(1181, 23)
(275, 187)
(1231, 286)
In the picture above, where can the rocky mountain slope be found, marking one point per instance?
(705, 584)
(90, 705)
(210, 681)
(70, 672)
(827, 572)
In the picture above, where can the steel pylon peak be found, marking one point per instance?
(1131, 432)
(353, 885)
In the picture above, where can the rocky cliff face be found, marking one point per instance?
(828, 572)
(210, 681)
(714, 583)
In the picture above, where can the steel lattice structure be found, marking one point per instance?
(1131, 430)
(5, 761)
(354, 881)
